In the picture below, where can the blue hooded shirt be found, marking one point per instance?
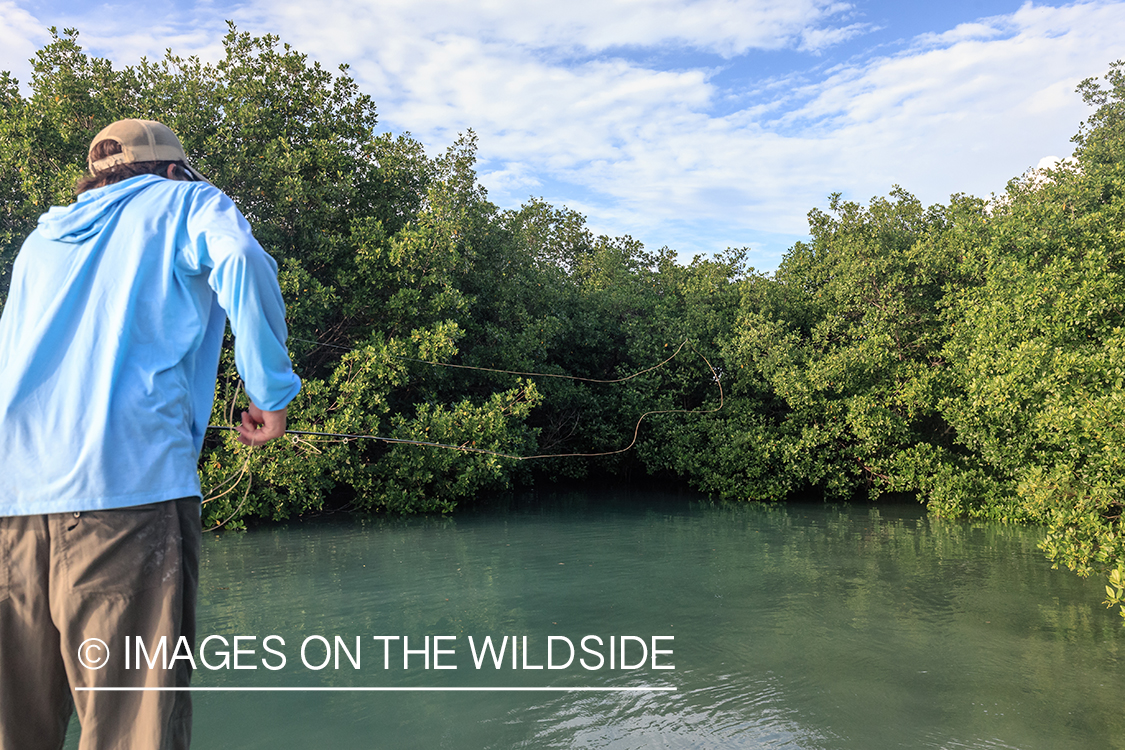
(110, 339)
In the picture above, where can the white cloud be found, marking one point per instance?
(728, 27)
(644, 149)
(568, 105)
(969, 115)
(814, 40)
(962, 33)
(20, 35)
(107, 31)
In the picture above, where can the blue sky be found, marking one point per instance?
(697, 125)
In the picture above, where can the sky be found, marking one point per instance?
(693, 124)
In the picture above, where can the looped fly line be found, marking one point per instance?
(469, 449)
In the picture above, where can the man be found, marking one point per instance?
(109, 348)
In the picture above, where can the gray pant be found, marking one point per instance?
(66, 578)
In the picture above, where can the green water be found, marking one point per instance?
(801, 626)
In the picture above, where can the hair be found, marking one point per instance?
(120, 172)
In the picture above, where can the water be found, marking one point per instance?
(799, 626)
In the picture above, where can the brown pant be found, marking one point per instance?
(66, 578)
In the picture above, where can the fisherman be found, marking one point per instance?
(109, 349)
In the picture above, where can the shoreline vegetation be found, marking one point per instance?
(968, 354)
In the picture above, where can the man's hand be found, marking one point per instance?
(259, 427)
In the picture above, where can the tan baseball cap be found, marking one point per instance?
(140, 140)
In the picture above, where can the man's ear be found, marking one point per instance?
(176, 172)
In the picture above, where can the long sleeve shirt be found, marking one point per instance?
(110, 339)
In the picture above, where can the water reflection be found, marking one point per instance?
(794, 627)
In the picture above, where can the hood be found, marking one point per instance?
(85, 218)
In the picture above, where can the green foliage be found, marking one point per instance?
(1039, 343)
(842, 349)
(967, 354)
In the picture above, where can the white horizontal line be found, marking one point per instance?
(643, 689)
